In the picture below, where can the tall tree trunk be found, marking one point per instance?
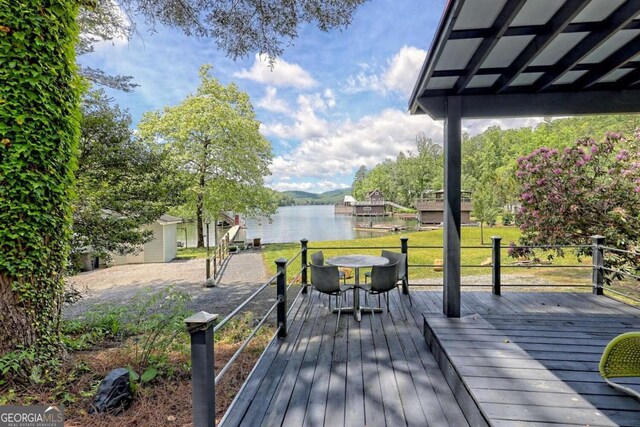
(38, 140)
(481, 233)
(200, 212)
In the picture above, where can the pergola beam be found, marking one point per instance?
(536, 104)
(618, 20)
(613, 61)
(529, 69)
(533, 30)
(556, 25)
(499, 27)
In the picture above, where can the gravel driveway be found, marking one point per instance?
(242, 274)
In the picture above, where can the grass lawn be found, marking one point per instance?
(471, 256)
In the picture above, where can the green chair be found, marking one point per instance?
(621, 358)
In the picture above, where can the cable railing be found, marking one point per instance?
(202, 329)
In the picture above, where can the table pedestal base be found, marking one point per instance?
(357, 312)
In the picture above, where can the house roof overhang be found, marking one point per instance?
(518, 58)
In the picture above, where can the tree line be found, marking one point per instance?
(489, 162)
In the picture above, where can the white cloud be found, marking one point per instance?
(282, 74)
(339, 149)
(271, 102)
(343, 147)
(398, 76)
(403, 69)
(306, 123)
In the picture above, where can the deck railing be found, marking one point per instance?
(598, 269)
(202, 326)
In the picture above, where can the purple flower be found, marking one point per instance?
(541, 181)
(567, 150)
(622, 155)
(557, 171)
(580, 163)
(594, 149)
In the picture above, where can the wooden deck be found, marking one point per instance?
(380, 372)
(538, 364)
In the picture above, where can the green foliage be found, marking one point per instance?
(38, 139)
(123, 182)
(403, 180)
(215, 138)
(244, 26)
(485, 208)
(12, 363)
(589, 188)
(151, 321)
(507, 218)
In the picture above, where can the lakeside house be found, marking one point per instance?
(430, 207)
(373, 205)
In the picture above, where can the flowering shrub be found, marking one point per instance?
(586, 189)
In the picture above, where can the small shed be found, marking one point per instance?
(372, 206)
(430, 207)
(162, 248)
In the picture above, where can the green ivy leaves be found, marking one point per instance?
(38, 137)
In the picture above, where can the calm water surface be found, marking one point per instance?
(316, 223)
(292, 223)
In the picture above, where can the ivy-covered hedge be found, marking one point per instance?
(39, 94)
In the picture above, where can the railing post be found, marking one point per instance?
(597, 277)
(404, 248)
(200, 327)
(495, 265)
(215, 263)
(281, 290)
(303, 258)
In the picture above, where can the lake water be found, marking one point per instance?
(293, 223)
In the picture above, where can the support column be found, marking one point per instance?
(452, 189)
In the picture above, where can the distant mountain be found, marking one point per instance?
(289, 198)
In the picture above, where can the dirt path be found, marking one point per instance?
(242, 275)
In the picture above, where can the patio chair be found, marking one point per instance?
(326, 280)
(621, 359)
(384, 278)
(317, 258)
(402, 268)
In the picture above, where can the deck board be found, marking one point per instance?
(539, 366)
(529, 359)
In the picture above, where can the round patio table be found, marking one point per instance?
(357, 262)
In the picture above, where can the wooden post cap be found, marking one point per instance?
(200, 321)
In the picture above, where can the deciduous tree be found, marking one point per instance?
(123, 182)
(215, 136)
(586, 189)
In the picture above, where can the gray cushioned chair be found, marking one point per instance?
(384, 278)
(401, 259)
(317, 258)
(326, 280)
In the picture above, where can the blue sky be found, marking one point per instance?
(333, 102)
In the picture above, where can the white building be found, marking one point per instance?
(162, 248)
